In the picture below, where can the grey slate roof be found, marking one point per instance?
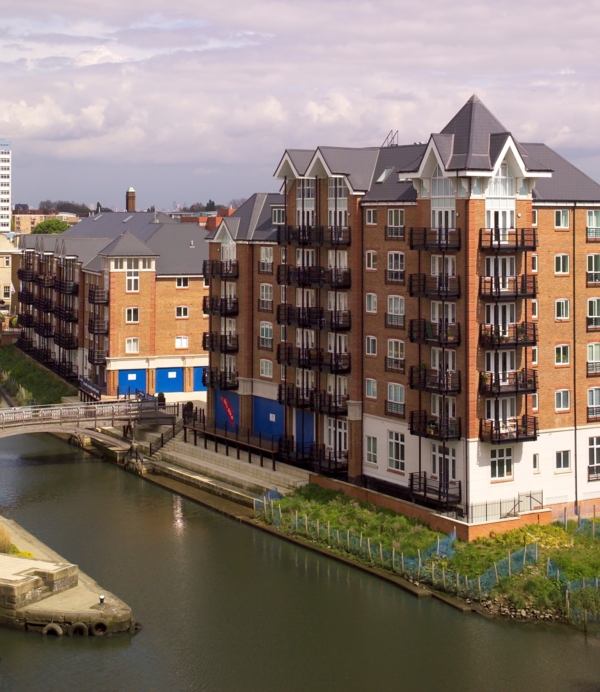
(113, 224)
(127, 245)
(253, 220)
(357, 164)
(180, 251)
(82, 248)
(300, 158)
(392, 189)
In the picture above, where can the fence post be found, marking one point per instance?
(381, 553)
(403, 572)
(496, 573)
(306, 524)
(394, 563)
(328, 532)
(443, 578)
(479, 586)
(348, 539)
(318, 531)
(509, 572)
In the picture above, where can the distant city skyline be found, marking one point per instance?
(200, 103)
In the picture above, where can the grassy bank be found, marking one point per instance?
(37, 384)
(535, 572)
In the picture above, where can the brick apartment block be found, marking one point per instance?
(422, 319)
(115, 304)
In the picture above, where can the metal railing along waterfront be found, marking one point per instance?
(165, 437)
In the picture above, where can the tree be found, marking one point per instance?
(62, 205)
(46, 205)
(194, 208)
(237, 202)
(211, 206)
(51, 226)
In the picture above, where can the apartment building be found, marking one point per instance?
(5, 184)
(26, 220)
(422, 319)
(115, 304)
(9, 256)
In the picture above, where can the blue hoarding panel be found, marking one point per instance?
(227, 407)
(130, 380)
(169, 380)
(268, 416)
(198, 386)
(305, 427)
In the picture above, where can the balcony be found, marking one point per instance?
(214, 378)
(26, 320)
(339, 320)
(592, 235)
(44, 280)
(593, 368)
(66, 341)
(437, 381)
(25, 275)
(593, 324)
(337, 236)
(512, 430)
(96, 357)
(434, 333)
(265, 343)
(594, 473)
(440, 428)
(44, 329)
(395, 365)
(435, 239)
(394, 321)
(498, 384)
(25, 343)
(69, 288)
(265, 267)
(337, 362)
(393, 408)
(43, 355)
(25, 297)
(508, 239)
(508, 335)
(298, 397)
(337, 278)
(436, 287)
(66, 370)
(43, 304)
(395, 233)
(433, 491)
(97, 326)
(302, 317)
(299, 235)
(330, 404)
(97, 296)
(265, 305)
(213, 305)
(308, 358)
(592, 278)
(220, 343)
(593, 414)
(507, 287)
(394, 276)
(66, 314)
(290, 275)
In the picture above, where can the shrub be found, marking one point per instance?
(4, 540)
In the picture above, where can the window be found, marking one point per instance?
(265, 339)
(395, 400)
(395, 218)
(265, 302)
(371, 259)
(146, 263)
(266, 259)
(118, 263)
(371, 217)
(534, 402)
(501, 466)
(283, 255)
(371, 301)
(593, 358)
(562, 399)
(283, 372)
(132, 315)
(396, 349)
(182, 282)
(266, 368)
(7, 261)
(562, 309)
(371, 346)
(561, 218)
(444, 463)
(561, 264)
(534, 309)
(536, 463)
(593, 401)
(182, 312)
(534, 221)
(371, 449)
(534, 263)
(206, 282)
(395, 268)
(181, 342)
(594, 451)
(283, 332)
(562, 355)
(133, 276)
(396, 450)
(534, 355)
(371, 388)
(395, 312)
(278, 217)
(132, 345)
(6, 292)
(563, 460)
(593, 313)
(384, 175)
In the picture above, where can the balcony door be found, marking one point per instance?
(305, 257)
(337, 385)
(443, 265)
(305, 379)
(502, 411)
(500, 363)
(443, 359)
(443, 313)
(228, 326)
(443, 406)
(227, 363)
(337, 343)
(305, 297)
(337, 435)
(500, 315)
(500, 268)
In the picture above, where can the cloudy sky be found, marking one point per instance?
(191, 100)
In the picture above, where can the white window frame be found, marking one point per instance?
(562, 309)
(132, 344)
(182, 342)
(371, 346)
(562, 400)
(561, 218)
(371, 298)
(534, 264)
(563, 460)
(395, 218)
(535, 402)
(561, 264)
(562, 354)
(371, 260)
(371, 217)
(370, 388)
(534, 355)
(184, 312)
(534, 217)
(182, 282)
(536, 462)
(501, 463)
(278, 216)
(129, 317)
(371, 449)
(266, 368)
(396, 462)
(534, 310)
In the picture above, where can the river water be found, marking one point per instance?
(229, 608)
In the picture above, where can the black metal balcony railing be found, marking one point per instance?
(394, 276)
(25, 320)
(24, 274)
(440, 381)
(593, 324)
(25, 343)
(43, 304)
(97, 326)
(302, 317)
(220, 343)
(285, 354)
(307, 358)
(265, 343)
(290, 275)
(435, 239)
(337, 362)
(593, 368)
(395, 233)
(25, 297)
(265, 267)
(337, 278)
(66, 370)
(44, 329)
(334, 236)
(508, 239)
(435, 491)
(219, 379)
(339, 320)
(44, 280)
(592, 278)
(508, 335)
(70, 288)
(337, 236)
(298, 397)
(594, 472)
(511, 430)
(439, 287)
(330, 404)
(434, 333)
(43, 355)
(593, 414)
(393, 408)
(508, 287)
(217, 269)
(96, 357)
(213, 305)
(592, 235)
(441, 428)
(66, 341)
(499, 383)
(66, 314)
(265, 305)
(395, 364)
(97, 296)
(394, 321)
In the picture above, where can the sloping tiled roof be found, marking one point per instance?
(357, 164)
(254, 219)
(392, 189)
(127, 245)
(112, 224)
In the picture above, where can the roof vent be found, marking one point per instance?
(95, 218)
(191, 243)
(127, 218)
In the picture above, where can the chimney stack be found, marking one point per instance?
(130, 200)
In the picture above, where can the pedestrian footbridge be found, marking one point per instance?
(85, 418)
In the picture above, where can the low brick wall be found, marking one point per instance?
(436, 522)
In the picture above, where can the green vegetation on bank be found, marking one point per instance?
(27, 381)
